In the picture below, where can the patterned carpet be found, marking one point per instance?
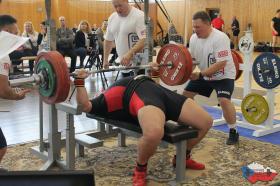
(113, 165)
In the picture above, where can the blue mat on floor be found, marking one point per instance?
(270, 138)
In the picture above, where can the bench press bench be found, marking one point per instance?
(173, 133)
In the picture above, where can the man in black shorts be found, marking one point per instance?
(210, 48)
(275, 26)
(140, 100)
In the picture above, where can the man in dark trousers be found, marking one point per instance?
(275, 26)
(235, 31)
(65, 39)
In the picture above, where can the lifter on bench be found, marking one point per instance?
(141, 100)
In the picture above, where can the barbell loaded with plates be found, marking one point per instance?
(255, 108)
(52, 76)
(266, 69)
(178, 54)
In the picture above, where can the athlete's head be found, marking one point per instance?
(8, 24)
(201, 24)
(122, 7)
(278, 13)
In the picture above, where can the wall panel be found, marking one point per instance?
(74, 11)
(257, 12)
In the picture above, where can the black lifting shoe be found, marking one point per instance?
(233, 137)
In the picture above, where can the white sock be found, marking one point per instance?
(232, 126)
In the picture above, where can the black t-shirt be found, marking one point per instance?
(276, 24)
(236, 24)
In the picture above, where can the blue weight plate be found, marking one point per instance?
(266, 69)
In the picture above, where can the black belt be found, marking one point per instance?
(130, 88)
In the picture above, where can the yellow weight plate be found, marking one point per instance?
(255, 109)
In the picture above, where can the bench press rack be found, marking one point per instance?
(50, 150)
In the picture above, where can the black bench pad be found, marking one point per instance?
(173, 133)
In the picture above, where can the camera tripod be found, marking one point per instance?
(95, 62)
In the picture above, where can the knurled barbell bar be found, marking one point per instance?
(169, 65)
(52, 76)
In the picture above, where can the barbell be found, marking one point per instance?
(52, 76)
(255, 108)
(265, 70)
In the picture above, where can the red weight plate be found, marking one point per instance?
(189, 65)
(240, 61)
(173, 53)
(60, 69)
(236, 64)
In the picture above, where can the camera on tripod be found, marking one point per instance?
(93, 36)
(94, 51)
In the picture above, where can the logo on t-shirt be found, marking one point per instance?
(211, 61)
(6, 66)
(223, 53)
(132, 39)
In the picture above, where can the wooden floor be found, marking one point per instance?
(19, 120)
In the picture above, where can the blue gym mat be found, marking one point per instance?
(270, 138)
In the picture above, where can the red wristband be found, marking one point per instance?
(79, 82)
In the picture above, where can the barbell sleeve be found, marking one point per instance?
(252, 109)
(125, 68)
(35, 78)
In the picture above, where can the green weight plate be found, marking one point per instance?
(58, 73)
(46, 88)
(255, 109)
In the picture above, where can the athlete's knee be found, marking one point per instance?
(153, 134)
(207, 122)
(224, 101)
(204, 121)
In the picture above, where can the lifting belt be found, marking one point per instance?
(130, 88)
